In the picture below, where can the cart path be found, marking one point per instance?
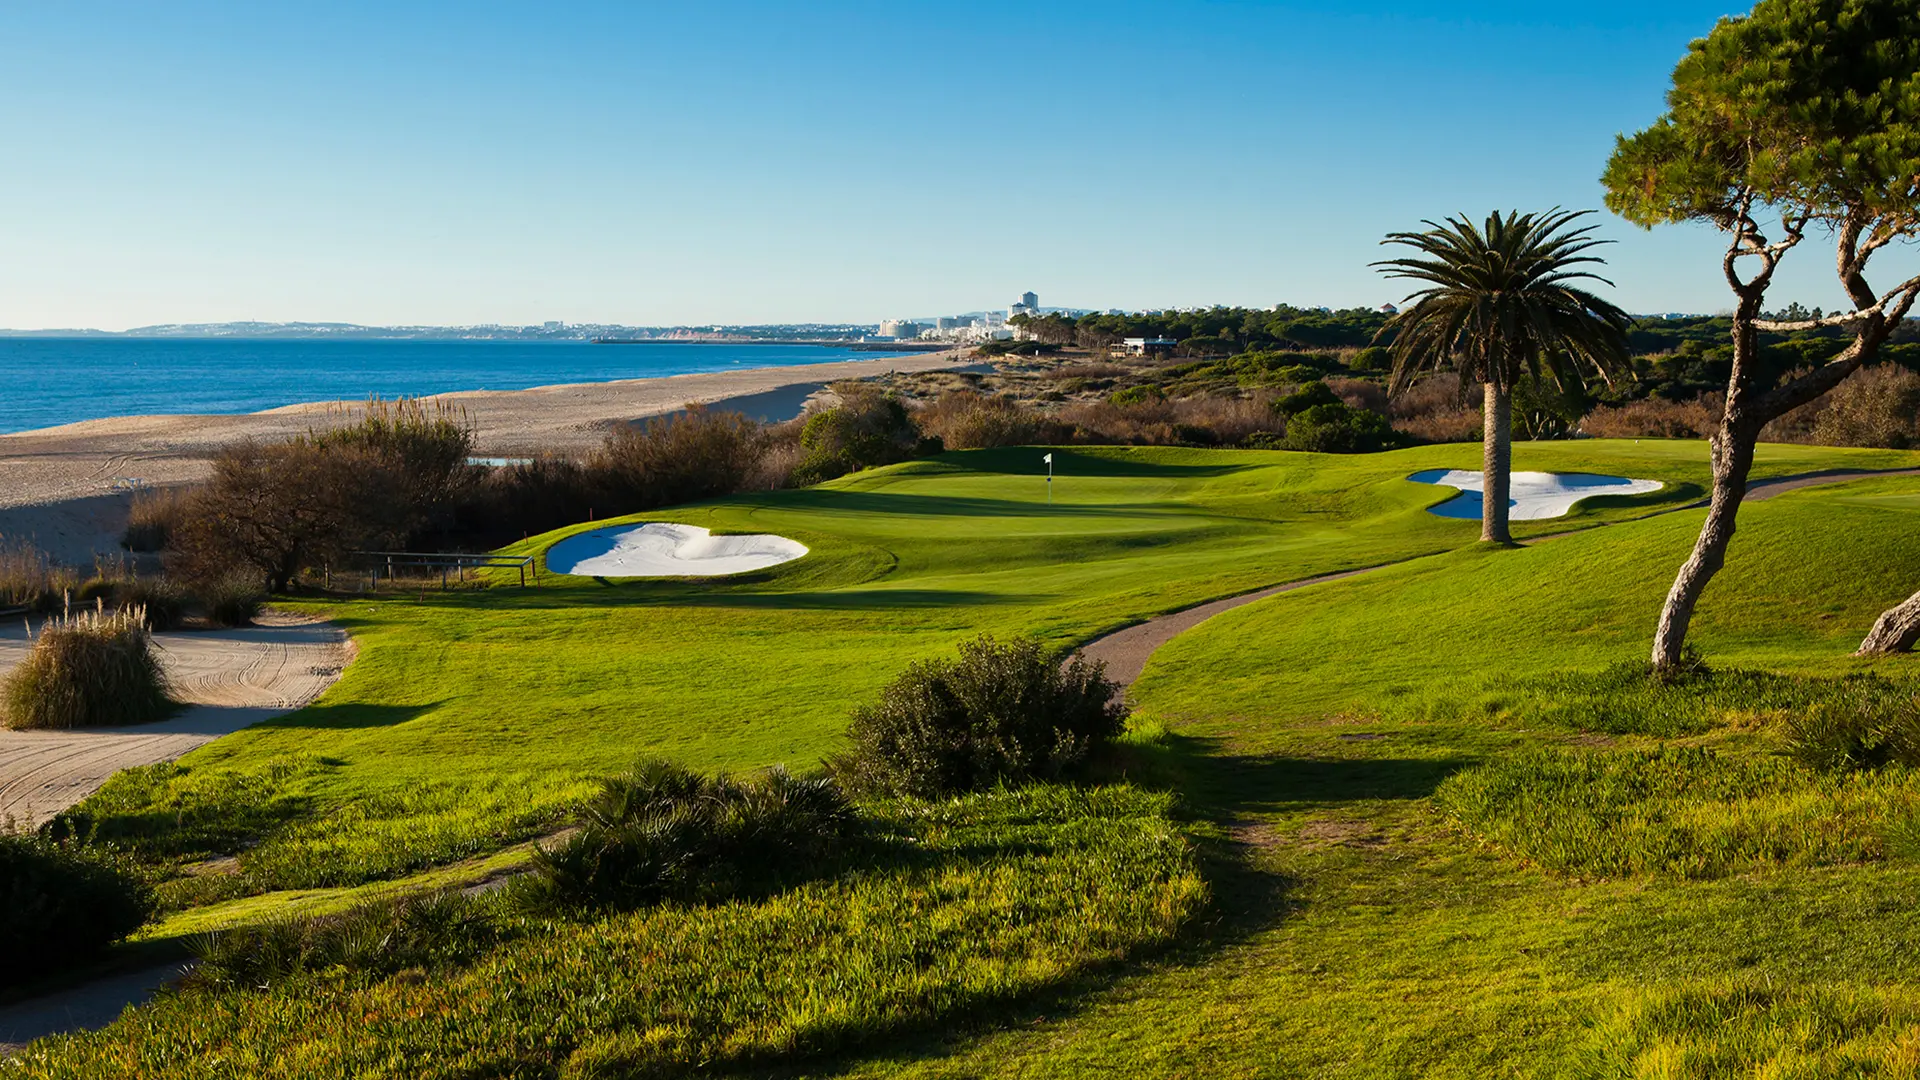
(228, 679)
(1126, 651)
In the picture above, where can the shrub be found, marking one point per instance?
(1435, 409)
(1875, 406)
(674, 459)
(274, 510)
(663, 832)
(1137, 395)
(1306, 397)
(967, 420)
(1654, 418)
(1858, 727)
(1370, 359)
(88, 670)
(999, 713)
(154, 516)
(1339, 429)
(1360, 394)
(511, 502)
(868, 428)
(232, 600)
(61, 903)
(430, 930)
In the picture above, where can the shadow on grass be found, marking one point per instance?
(349, 715)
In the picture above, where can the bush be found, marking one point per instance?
(61, 903)
(1875, 406)
(1339, 429)
(1306, 397)
(1435, 409)
(1370, 359)
(232, 600)
(1137, 395)
(868, 428)
(999, 713)
(153, 518)
(677, 458)
(1859, 727)
(275, 510)
(663, 832)
(89, 670)
(1653, 418)
(385, 937)
(967, 420)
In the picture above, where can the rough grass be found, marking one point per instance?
(996, 897)
(1688, 811)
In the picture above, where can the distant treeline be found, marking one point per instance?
(1675, 359)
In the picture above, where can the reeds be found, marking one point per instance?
(93, 669)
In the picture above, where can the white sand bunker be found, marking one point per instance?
(1532, 496)
(664, 549)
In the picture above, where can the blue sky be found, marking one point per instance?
(741, 162)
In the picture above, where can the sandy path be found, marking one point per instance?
(63, 487)
(1127, 651)
(229, 679)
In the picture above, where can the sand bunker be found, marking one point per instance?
(664, 549)
(1533, 496)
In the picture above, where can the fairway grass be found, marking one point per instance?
(1360, 928)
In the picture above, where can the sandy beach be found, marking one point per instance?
(66, 489)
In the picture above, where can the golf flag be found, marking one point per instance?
(1048, 459)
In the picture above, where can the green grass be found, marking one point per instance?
(993, 898)
(527, 694)
(1365, 739)
(1358, 929)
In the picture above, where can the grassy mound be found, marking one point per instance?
(95, 669)
(987, 900)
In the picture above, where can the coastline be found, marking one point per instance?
(66, 489)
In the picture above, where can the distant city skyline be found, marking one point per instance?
(754, 163)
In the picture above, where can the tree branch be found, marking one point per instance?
(1905, 289)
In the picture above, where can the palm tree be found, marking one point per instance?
(1505, 300)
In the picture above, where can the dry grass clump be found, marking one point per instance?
(1360, 394)
(29, 579)
(94, 669)
(1655, 418)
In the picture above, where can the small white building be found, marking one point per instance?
(1146, 346)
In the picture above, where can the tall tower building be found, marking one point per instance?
(1031, 302)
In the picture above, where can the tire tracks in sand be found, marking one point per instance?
(227, 679)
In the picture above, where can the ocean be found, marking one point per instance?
(48, 381)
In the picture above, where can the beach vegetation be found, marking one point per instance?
(1001, 712)
(95, 668)
(681, 457)
(866, 428)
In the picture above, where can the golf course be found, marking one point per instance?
(1410, 822)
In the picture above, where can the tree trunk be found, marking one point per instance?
(1896, 630)
(1496, 463)
(1732, 460)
